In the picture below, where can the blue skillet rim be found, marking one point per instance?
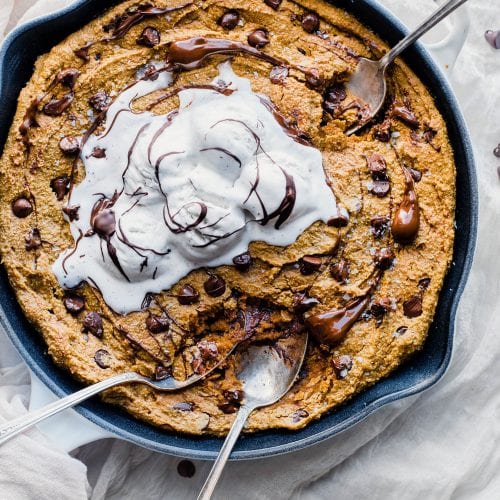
(424, 369)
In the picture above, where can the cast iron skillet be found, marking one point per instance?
(17, 56)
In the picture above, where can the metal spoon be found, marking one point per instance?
(267, 372)
(10, 429)
(368, 84)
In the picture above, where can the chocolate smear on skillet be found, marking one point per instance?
(302, 302)
(69, 145)
(60, 186)
(412, 307)
(73, 302)
(310, 22)
(406, 222)
(150, 37)
(22, 207)
(157, 324)
(188, 295)
(215, 286)
(186, 468)
(258, 38)
(229, 20)
(33, 240)
(102, 358)
(68, 77)
(92, 323)
(342, 365)
(274, 4)
(340, 270)
(380, 225)
(242, 262)
(309, 264)
(56, 107)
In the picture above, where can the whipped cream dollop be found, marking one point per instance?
(166, 194)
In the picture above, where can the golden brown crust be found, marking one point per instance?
(274, 275)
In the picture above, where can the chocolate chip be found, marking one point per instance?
(69, 145)
(149, 37)
(71, 211)
(416, 174)
(33, 240)
(242, 262)
(299, 415)
(229, 20)
(83, 53)
(496, 151)
(215, 286)
(382, 132)
(401, 331)
(188, 295)
(333, 96)
(380, 226)
(183, 406)
(157, 324)
(402, 112)
(56, 107)
(424, 283)
(339, 221)
(380, 307)
(227, 408)
(258, 38)
(412, 307)
(278, 74)
(161, 373)
(314, 79)
(186, 468)
(302, 302)
(68, 77)
(340, 270)
(208, 350)
(93, 323)
(380, 188)
(104, 223)
(100, 101)
(73, 302)
(377, 166)
(342, 365)
(384, 258)
(102, 358)
(309, 264)
(233, 395)
(60, 186)
(22, 207)
(493, 38)
(98, 153)
(310, 22)
(274, 4)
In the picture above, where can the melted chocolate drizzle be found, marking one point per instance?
(406, 222)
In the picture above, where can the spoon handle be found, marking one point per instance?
(10, 429)
(436, 17)
(225, 451)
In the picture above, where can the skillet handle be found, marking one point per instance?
(446, 51)
(10, 429)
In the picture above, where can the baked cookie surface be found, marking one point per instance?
(364, 282)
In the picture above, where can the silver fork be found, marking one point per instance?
(368, 83)
(10, 429)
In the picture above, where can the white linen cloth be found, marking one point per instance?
(443, 444)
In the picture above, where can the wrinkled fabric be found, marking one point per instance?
(442, 444)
